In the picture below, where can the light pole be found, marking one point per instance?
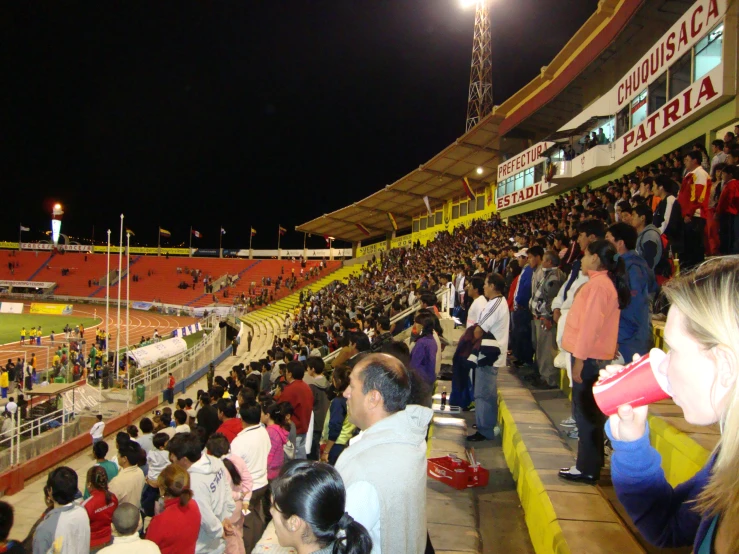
(118, 317)
(480, 96)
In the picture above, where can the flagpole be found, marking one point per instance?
(20, 236)
(279, 235)
(159, 240)
(118, 316)
(107, 310)
(190, 248)
(128, 305)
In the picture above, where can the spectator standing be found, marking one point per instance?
(545, 328)
(169, 391)
(210, 490)
(300, 488)
(157, 460)
(66, 527)
(393, 443)
(175, 529)
(4, 382)
(591, 335)
(521, 343)
(97, 430)
(492, 335)
(147, 436)
(423, 355)
(635, 324)
(278, 430)
(300, 396)
(693, 198)
(727, 211)
(475, 287)
(648, 242)
(230, 424)
(319, 387)
(337, 429)
(100, 507)
(668, 215)
(127, 521)
(207, 416)
(252, 445)
(129, 483)
(6, 524)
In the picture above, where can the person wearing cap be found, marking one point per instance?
(521, 343)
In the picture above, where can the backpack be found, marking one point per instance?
(665, 268)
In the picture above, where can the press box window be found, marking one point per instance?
(439, 218)
(463, 209)
(481, 202)
(680, 74)
(415, 225)
(638, 109)
(455, 211)
(657, 96)
(470, 206)
(431, 220)
(423, 223)
(708, 52)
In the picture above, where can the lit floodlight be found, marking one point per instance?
(479, 171)
(468, 3)
(56, 223)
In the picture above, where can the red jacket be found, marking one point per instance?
(695, 191)
(101, 516)
(728, 202)
(170, 382)
(230, 428)
(175, 530)
(301, 399)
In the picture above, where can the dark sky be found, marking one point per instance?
(239, 113)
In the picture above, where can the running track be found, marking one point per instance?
(142, 323)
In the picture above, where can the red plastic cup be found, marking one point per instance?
(637, 384)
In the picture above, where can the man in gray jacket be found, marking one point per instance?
(210, 488)
(384, 469)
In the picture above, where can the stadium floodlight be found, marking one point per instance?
(479, 171)
(56, 223)
(468, 3)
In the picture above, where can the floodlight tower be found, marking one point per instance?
(56, 223)
(480, 97)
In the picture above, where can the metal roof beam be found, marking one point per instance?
(472, 180)
(477, 147)
(414, 195)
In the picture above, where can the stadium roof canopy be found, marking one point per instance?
(440, 179)
(541, 107)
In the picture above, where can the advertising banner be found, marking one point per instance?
(29, 284)
(11, 307)
(220, 310)
(141, 305)
(189, 330)
(51, 309)
(49, 246)
(149, 355)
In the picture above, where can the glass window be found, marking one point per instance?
(519, 180)
(638, 109)
(657, 96)
(528, 177)
(432, 219)
(439, 218)
(708, 52)
(509, 186)
(481, 202)
(415, 225)
(471, 207)
(680, 75)
(455, 211)
(501, 191)
(424, 221)
(622, 121)
(463, 209)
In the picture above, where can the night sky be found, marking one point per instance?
(243, 113)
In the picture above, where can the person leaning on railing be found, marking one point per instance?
(702, 333)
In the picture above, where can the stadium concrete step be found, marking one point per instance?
(561, 516)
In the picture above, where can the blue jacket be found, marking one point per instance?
(423, 358)
(634, 327)
(524, 287)
(663, 515)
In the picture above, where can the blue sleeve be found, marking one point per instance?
(524, 287)
(337, 413)
(663, 515)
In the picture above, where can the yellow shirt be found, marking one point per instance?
(4, 380)
(23, 332)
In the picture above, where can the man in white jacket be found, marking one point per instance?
(210, 490)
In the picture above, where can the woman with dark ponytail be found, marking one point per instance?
(591, 335)
(100, 507)
(308, 510)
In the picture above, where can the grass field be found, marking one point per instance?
(10, 325)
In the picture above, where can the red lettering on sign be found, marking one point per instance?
(712, 10)
(670, 46)
(651, 120)
(620, 93)
(669, 112)
(628, 139)
(686, 101)
(693, 29)
(682, 40)
(706, 92)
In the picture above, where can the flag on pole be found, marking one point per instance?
(223, 231)
(394, 223)
(253, 231)
(363, 229)
(130, 232)
(468, 189)
(428, 206)
(196, 234)
(164, 233)
(25, 228)
(281, 230)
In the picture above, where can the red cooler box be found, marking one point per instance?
(457, 473)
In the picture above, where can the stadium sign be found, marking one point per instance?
(524, 160)
(28, 284)
(681, 37)
(49, 246)
(524, 195)
(702, 92)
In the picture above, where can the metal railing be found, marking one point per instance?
(33, 428)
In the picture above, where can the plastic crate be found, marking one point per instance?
(457, 473)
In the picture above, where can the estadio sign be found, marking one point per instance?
(681, 37)
(701, 93)
(524, 195)
(524, 160)
(49, 246)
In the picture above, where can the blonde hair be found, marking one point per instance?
(175, 482)
(709, 299)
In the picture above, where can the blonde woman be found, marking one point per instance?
(702, 332)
